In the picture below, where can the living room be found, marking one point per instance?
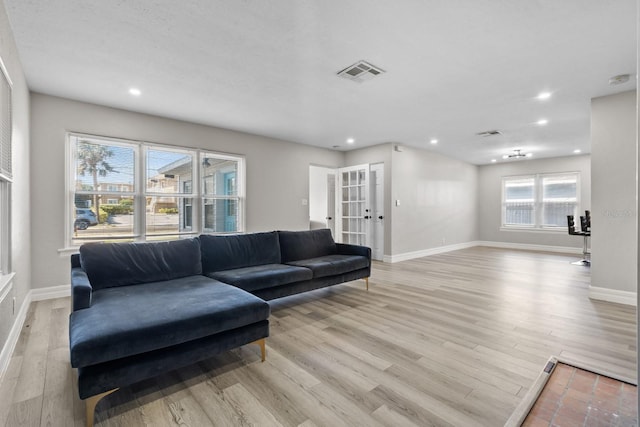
(435, 203)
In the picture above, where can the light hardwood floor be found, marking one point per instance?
(452, 339)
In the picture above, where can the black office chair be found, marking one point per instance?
(585, 226)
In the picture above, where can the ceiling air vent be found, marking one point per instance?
(489, 133)
(360, 71)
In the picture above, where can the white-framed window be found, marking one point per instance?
(540, 201)
(6, 172)
(136, 191)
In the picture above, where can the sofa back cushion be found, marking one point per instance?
(297, 245)
(239, 250)
(120, 264)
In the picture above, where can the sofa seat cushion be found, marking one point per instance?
(262, 276)
(129, 320)
(331, 265)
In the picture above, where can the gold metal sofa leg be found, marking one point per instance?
(366, 280)
(263, 350)
(91, 403)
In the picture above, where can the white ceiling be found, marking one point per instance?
(453, 68)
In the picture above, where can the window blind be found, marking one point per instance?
(5, 123)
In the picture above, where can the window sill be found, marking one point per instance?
(68, 250)
(5, 282)
(559, 230)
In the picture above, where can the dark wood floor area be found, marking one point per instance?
(453, 339)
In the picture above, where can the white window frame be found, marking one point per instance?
(240, 188)
(538, 204)
(140, 193)
(6, 181)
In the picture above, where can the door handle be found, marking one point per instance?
(329, 218)
(380, 217)
(366, 217)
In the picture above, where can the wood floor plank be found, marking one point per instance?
(250, 407)
(454, 339)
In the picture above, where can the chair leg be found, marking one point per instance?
(366, 280)
(91, 403)
(263, 349)
(586, 256)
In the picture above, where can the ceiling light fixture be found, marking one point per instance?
(619, 79)
(517, 154)
(577, 151)
(544, 95)
(487, 133)
(542, 122)
(434, 141)
(350, 140)
(135, 91)
(493, 160)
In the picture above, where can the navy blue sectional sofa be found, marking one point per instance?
(141, 309)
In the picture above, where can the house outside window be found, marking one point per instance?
(540, 201)
(142, 191)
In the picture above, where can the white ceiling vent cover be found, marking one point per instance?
(360, 72)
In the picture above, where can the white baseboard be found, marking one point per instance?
(14, 334)
(37, 294)
(51, 292)
(427, 252)
(530, 247)
(505, 245)
(613, 295)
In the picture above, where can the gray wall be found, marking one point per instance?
(438, 201)
(613, 166)
(277, 171)
(490, 194)
(20, 208)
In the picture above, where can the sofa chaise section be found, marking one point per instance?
(141, 309)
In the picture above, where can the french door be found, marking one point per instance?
(352, 205)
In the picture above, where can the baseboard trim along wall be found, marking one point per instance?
(51, 292)
(14, 334)
(505, 245)
(38, 294)
(530, 247)
(613, 295)
(427, 252)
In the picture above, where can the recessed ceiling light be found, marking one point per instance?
(434, 141)
(135, 91)
(544, 95)
(529, 154)
(506, 156)
(493, 160)
(577, 151)
(350, 140)
(542, 122)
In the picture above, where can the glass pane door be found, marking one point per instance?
(354, 216)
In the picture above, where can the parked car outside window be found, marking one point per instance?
(84, 219)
